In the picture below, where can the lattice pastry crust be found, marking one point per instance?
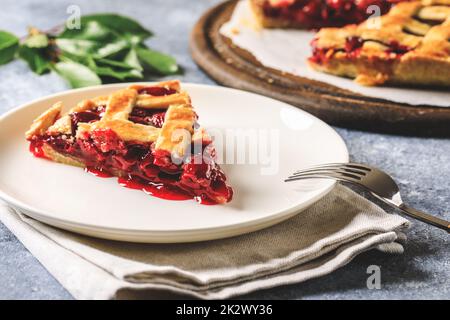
(179, 116)
(408, 46)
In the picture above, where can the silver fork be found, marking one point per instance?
(377, 182)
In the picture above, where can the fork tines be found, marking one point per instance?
(338, 171)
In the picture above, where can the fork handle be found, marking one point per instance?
(425, 217)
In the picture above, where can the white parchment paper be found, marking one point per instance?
(288, 50)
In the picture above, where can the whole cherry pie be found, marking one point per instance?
(409, 46)
(148, 136)
(313, 14)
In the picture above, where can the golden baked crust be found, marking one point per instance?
(44, 121)
(56, 156)
(119, 105)
(408, 46)
(179, 116)
(176, 132)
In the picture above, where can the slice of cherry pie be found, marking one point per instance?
(148, 136)
(409, 46)
(313, 14)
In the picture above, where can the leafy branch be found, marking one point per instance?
(107, 48)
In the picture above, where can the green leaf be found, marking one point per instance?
(9, 44)
(37, 41)
(112, 48)
(132, 59)
(90, 30)
(114, 42)
(120, 24)
(157, 61)
(114, 69)
(82, 47)
(120, 74)
(101, 36)
(77, 47)
(35, 58)
(114, 63)
(64, 56)
(77, 74)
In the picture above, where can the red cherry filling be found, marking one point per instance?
(145, 116)
(320, 55)
(163, 160)
(397, 48)
(61, 143)
(157, 91)
(36, 148)
(200, 174)
(353, 43)
(352, 48)
(86, 116)
(142, 167)
(325, 13)
(159, 190)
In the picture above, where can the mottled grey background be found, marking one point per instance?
(420, 165)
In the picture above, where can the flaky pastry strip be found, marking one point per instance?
(120, 104)
(126, 130)
(161, 102)
(176, 132)
(171, 84)
(44, 121)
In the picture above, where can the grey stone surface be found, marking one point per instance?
(420, 165)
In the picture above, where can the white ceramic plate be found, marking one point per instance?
(68, 198)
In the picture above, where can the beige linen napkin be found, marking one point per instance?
(312, 244)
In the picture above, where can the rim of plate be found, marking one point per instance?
(215, 232)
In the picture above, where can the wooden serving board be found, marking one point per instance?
(237, 68)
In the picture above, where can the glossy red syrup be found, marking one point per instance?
(98, 172)
(158, 190)
(319, 55)
(36, 149)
